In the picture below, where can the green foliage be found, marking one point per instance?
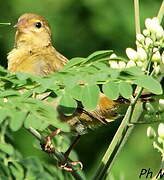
(21, 95)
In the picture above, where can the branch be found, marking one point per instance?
(137, 16)
(161, 12)
(55, 154)
(133, 113)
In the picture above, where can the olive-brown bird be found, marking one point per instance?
(33, 53)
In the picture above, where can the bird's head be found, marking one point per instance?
(32, 30)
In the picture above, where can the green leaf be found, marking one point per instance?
(73, 62)
(36, 121)
(111, 90)
(125, 89)
(5, 24)
(90, 96)
(17, 170)
(9, 93)
(76, 92)
(22, 76)
(3, 115)
(7, 148)
(17, 119)
(149, 83)
(67, 104)
(134, 71)
(99, 54)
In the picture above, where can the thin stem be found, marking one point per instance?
(118, 140)
(5, 24)
(56, 154)
(137, 16)
(161, 12)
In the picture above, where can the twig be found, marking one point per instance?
(56, 154)
(119, 139)
(137, 16)
(161, 12)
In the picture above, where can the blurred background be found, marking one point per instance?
(80, 28)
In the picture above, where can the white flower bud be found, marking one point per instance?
(156, 57)
(161, 104)
(140, 38)
(121, 64)
(113, 64)
(160, 140)
(146, 32)
(139, 63)
(132, 54)
(141, 54)
(152, 24)
(156, 68)
(161, 130)
(151, 133)
(130, 64)
(163, 58)
(148, 42)
(113, 56)
(159, 32)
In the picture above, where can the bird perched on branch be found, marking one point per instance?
(33, 53)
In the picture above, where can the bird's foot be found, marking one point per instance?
(67, 166)
(48, 146)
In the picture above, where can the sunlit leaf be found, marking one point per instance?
(67, 104)
(74, 61)
(99, 54)
(125, 89)
(3, 115)
(149, 83)
(90, 96)
(7, 148)
(111, 90)
(17, 120)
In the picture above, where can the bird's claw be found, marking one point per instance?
(68, 168)
(48, 146)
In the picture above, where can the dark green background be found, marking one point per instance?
(79, 28)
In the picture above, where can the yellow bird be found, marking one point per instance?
(33, 53)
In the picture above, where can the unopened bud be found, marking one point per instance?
(156, 68)
(141, 54)
(113, 64)
(121, 64)
(159, 32)
(152, 24)
(132, 54)
(161, 104)
(151, 133)
(130, 64)
(140, 38)
(148, 42)
(113, 56)
(146, 32)
(161, 130)
(156, 57)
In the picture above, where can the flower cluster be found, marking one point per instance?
(148, 45)
(158, 137)
(159, 142)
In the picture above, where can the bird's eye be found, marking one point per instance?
(38, 25)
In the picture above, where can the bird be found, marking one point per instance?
(33, 53)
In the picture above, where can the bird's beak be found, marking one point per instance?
(16, 25)
(20, 23)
